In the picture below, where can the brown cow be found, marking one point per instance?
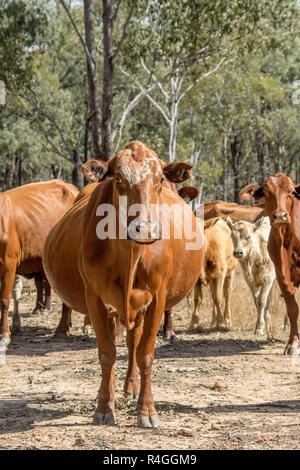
(27, 215)
(282, 205)
(188, 194)
(136, 278)
(219, 265)
(235, 211)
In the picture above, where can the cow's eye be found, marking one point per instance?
(118, 180)
(162, 180)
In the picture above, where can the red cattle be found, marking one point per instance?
(134, 277)
(235, 211)
(282, 205)
(27, 215)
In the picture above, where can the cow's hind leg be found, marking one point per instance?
(198, 297)
(87, 327)
(227, 294)
(261, 304)
(268, 318)
(47, 298)
(16, 293)
(65, 321)
(216, 287)
(38, 280)
(168, 330)
(131, 385)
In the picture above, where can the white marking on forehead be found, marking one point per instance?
(135, 171)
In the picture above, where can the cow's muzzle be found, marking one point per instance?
(143, 232)
(237, 253)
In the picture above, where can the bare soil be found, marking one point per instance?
(213, 390)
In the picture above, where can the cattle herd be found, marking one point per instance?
(70, 241)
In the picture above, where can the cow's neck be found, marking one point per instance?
(129, 256)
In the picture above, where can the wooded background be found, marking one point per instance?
(216, 83)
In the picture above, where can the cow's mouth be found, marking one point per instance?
(237, 255)
(280, 222)
(143, 241)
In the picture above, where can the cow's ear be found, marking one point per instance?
(188, 193)
(95, 170)
(177, 172)
(259, 223)
(257, 192)
(297, 190)
(230, 222)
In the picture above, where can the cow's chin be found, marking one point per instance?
(281, 223)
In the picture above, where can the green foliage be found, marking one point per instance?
(235, 126)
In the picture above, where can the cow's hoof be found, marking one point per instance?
(145, 421)
(131, 399)
(107, 419)
(292, 349)
(130, 396)
(173, 340)
(87, 331)
(4, 342)
(16, 328)
(60, 335)
(259, 332)
(44, 312)
(36, 311)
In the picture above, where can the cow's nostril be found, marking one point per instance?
(138, 229)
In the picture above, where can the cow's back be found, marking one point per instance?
(218, 248)
(61, 251)
(34, 209)
(235, 211)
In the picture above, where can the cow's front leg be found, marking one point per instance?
(105, 329)
(147, 416)
(17, 291)
(131, 385)
(7, 282)
(293, 346)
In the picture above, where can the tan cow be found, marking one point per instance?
(135, 276)
(250, 248)
(219, 265)
(27, 214)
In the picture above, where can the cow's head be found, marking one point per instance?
(242, 234)
(138, 174)
(279, 193)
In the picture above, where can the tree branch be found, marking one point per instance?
(87, 52)
(124, 33)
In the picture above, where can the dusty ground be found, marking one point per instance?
(212, 390)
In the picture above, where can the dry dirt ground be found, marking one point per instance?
(213, 390)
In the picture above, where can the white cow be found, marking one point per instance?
(250, 247)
